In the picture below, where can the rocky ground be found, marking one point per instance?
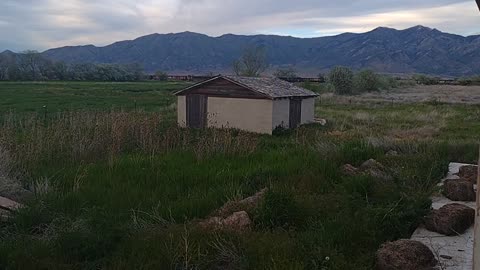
(446, 237)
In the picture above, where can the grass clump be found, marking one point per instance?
(279, 209)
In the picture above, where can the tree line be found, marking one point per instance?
(33, 66)
(342, 80)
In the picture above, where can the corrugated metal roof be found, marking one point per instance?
(269, 86)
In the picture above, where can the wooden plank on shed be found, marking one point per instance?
(295, 117)
(196, 107)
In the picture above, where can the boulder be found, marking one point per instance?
(451, 219)
(9, 205)
(248, 204)
(469, 173)
(459, 190)
(350, 170)
(405, 255)
(370, 167)
(320, 121)
(238, 221)
(213, 223)
(392, 153)
(12, 188)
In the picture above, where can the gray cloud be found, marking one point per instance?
(42, 24)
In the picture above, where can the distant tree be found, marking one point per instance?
(6, 64)
(366, 81)
(342, 80)
(252, 63)
(28, 63)
(82, 72)
(424, 79)
(161, 75)
(135, 72)
(321, 76)
(288, 73)
(60, 71)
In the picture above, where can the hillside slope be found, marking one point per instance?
(418, 49)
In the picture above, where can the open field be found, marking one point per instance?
(63, 96)
(122, 189)
(455, 94)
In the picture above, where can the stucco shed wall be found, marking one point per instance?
(253, 115)
(308, 110)
(281, 113)
(182, 111)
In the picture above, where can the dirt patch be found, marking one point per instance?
(405, 254)
(414, 94)
(459, 190)
(451, 219)
(469, 173)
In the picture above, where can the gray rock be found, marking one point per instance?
(405, 255)
(451, 219)
(459, 190)
(238, 221)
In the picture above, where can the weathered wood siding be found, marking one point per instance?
(253, 115)
(196, 111)
(224, 88)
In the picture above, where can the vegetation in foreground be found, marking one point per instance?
(120, 189)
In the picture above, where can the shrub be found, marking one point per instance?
(469, 80)
(426, 80)
(387, 82)
(342, 80)
(288, 73)
(465, 81)
(161, 76)
(367, 81)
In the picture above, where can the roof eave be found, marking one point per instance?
(225, 78)
(195, 85)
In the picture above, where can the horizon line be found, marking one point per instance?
(246, 35)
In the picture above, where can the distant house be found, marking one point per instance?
(252, 104)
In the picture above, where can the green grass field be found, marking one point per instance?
(122, 189)
(62, 96)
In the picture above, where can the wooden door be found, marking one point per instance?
(295, 113)
(196, 111)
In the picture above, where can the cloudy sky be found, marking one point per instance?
(42, 24)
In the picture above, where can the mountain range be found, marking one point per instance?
(414, 50)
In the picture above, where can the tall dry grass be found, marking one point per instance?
(88, 136)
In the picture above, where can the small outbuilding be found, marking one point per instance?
(253, 104)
